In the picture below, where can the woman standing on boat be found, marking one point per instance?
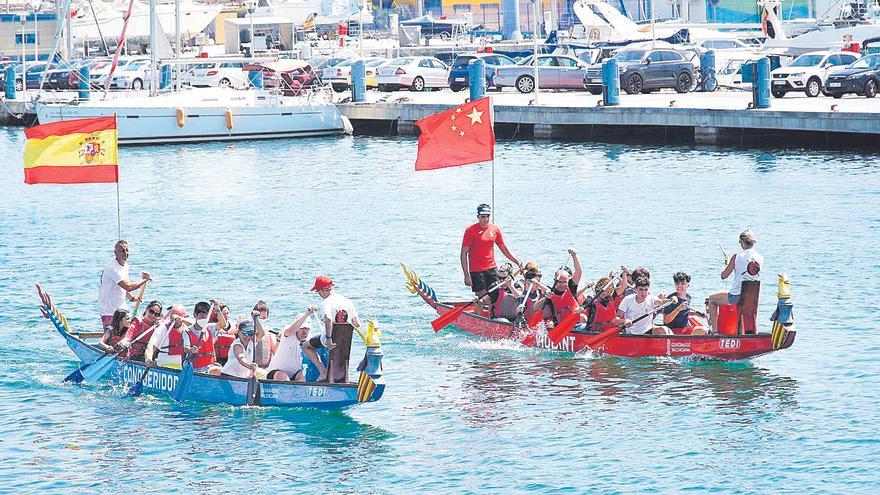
(745, 266)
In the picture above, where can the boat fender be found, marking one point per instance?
(347, 128)
(181, 118)
(229, 119)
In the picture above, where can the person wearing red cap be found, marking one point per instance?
(335, 308)
(478, 255)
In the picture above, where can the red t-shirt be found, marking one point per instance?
(481, 243)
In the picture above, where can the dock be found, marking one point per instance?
(720, 118)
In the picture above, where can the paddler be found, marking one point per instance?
(165, 347)
(602, 309)
(139, 325)
(677, 315)
(115, 286)
(478, 257)
(241, 354)
(115, 332)
(638, 304)
(198, 340)
(563, 295)
(287, 361)
(745, 266)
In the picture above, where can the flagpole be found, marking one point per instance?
(118, 214)
(494, 210)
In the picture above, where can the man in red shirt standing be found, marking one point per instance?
(478, 256)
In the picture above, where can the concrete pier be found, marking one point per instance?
(697, 118)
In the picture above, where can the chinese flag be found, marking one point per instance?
(72, 152)
(459, 136)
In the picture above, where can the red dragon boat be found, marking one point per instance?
(707, 347)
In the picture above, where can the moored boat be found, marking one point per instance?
(228, 390)
(709, 347)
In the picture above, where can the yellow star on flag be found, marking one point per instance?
(454, 128)
(461, 134)
(475, 116)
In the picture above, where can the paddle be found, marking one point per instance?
(138, 387)
(597, 340)
(99, 367)
(181, 390)
(726, 259)
(140, 297)
(450, 316)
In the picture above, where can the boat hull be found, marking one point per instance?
(157, 121)
(709, 347)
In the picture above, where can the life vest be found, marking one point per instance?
(563, 303)
(604, 315)
(138, 347)
(175, 342)
(204, 355)
(222, 344)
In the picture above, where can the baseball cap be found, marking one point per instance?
(246, 328)
(484, 209)
(322, 282)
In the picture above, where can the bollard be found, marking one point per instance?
(165, 77)
(477, 78)
(84, 83)
(359, 81)
(256, 79)
(707, 72)
(761, 83)
(610, 83)
(10, 82)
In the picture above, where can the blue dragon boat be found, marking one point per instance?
(227, 390)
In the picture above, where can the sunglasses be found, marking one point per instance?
(154, 312)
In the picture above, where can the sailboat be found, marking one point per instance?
(203, 114)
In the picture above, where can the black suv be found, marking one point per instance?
(646, 71)
(861, 77)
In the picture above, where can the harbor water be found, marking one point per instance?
(257, 220)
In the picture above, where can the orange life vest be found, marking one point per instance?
(222, 344)
(604, 315)
(204, 355)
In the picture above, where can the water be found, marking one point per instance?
(259, 220)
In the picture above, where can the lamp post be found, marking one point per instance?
(252, 7)
(361, 5)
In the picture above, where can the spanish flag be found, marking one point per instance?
(309, 24)
(72, 152)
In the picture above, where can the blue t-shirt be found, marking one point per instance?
(680, 321)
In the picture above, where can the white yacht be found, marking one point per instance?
(206, 114)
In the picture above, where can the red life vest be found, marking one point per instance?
(175, 342)
(222, 344)
(139, 347)
(204, 355)
(563, 303)
(604, 315)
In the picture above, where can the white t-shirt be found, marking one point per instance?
(232, 366)
(632, 310)
(338, 309)
(110, 295)
(746, 266)
(159, 340)
(288, 355)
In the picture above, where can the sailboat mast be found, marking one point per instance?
(177, 46)
(154, 33)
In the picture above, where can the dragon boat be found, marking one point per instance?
(720, 347)
(227, 390)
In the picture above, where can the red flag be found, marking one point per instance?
(342, 28)
(459, 136)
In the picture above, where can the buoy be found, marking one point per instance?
(229, 119)
(181, 117)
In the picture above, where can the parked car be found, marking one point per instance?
(807, 72)
(415, 73)
(645, 71)
(459, 74)
(214, 74)
(64, 75)
(134, 75)
(554, 72)
(339, 76)
(861, 77)
(99, 76)
(34, 75)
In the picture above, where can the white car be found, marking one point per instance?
(213, 74)
(339, 76)
(415, 73)
(807, 73)
(99, 76)
(134, 75)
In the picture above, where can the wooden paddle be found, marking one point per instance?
(568, 323)
(99, 367)
(450, 316)
(140, 297)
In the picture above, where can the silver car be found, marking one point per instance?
(554, 72)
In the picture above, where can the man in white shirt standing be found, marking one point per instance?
(335, 308)
(115, 286)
